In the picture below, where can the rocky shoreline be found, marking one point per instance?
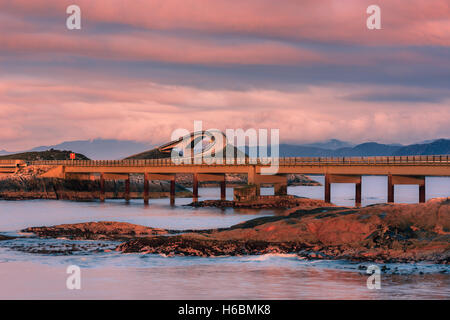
(379, 233)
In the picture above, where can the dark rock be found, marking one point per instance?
(185, 246)
(2, 237)
(105, 230)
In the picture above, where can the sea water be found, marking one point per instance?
(113, 275)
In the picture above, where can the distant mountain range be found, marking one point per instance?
(101, 149)
(436, 147)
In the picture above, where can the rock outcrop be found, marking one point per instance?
(104, 230)
(204, 247)
(384, 233)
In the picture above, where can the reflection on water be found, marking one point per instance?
(275, 279)
(133, 276)
(16, 215)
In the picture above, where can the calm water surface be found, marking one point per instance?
(136, 276)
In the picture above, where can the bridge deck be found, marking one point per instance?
(397, 160)
(10, 166)
(401, 165)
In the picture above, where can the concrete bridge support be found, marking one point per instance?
(327, 196)
(172, 192)
(223, 190)
(397, 179)
(195, 187)
(163, 177)
(146, 188)
(335, 178)
(278, 181)
(102, 187)
(209, 177)
(390, 189)
(358, 193)
(103, 178)
(127, 189)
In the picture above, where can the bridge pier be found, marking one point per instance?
(358, 194)
(209, 177)
(223, 190)
(172, 192)
(195, 187)
(159, 177)
(390, 189)
(422, 193)
(102, 187)
(146, 188)
(404, 179)
(279, 182)
(127, 189)
(337, 178)
(103, 177)
(327, 196)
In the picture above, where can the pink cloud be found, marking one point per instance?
(86, 104)
(46, 112)
(416, 22)
(156, 48)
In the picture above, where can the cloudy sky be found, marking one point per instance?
(140, 69)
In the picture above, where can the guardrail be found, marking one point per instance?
(282, 161)
(11, 163)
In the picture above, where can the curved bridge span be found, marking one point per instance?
(399, 169)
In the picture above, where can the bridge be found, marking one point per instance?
(10, 166)
(398, 169)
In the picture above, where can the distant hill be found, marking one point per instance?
(99, 149)
(367, 149)
(441, 146)
(44, 155)
(430, 141)
(437, 147)
(332, 144)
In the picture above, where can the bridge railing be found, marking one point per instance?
(10, 162)
(282, 161)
